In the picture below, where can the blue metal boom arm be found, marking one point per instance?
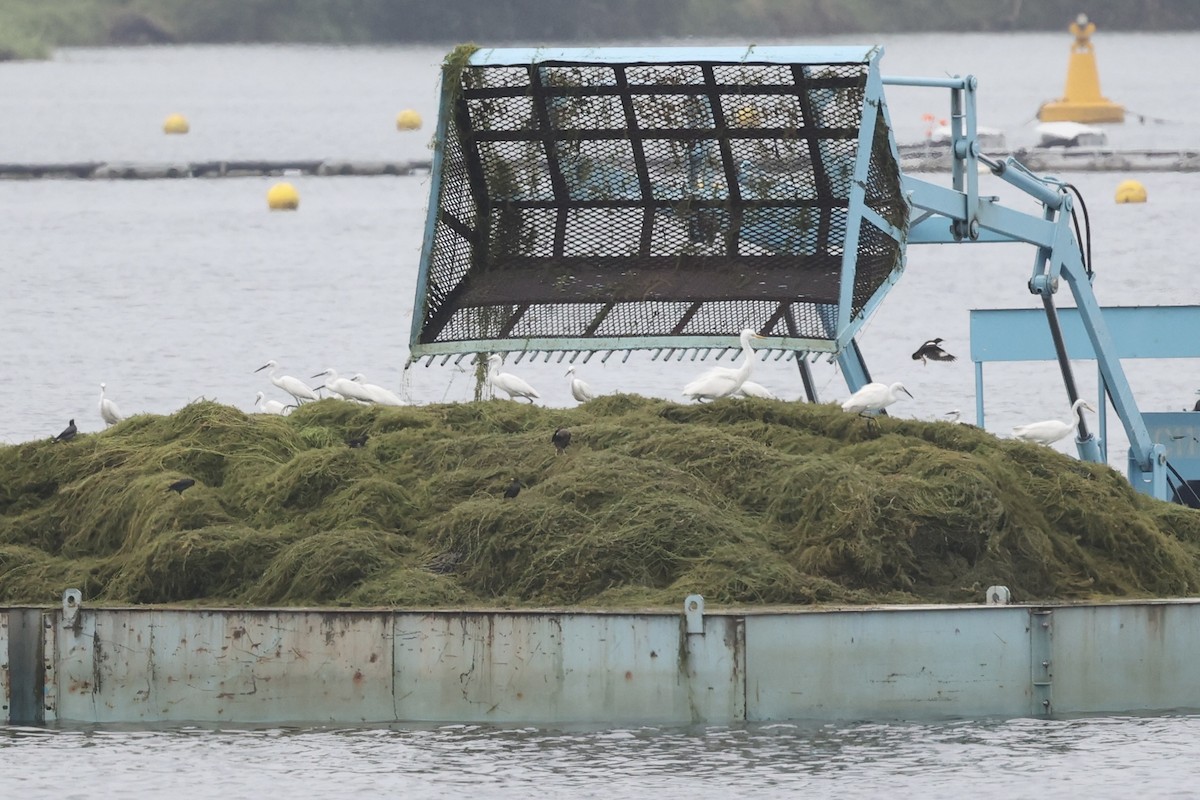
(982, 219)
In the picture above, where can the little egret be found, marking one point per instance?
(1051, 430)
(933, 351)
(108, 409)
(508, 382)
(561, 438)
(293, 386)
(874, 397)
(348, 389)
(752, 389)
(955, 416)
(68, 433)
(268, 406)
(378, 394)
(724, 381)
(579, 390)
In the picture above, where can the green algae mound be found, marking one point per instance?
(747, 502)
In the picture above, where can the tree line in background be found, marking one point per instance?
(45, 24)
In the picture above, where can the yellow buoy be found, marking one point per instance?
(1082, 101)
(408, 120)
(747, 117)
(1131, 192)
(283, 197)
(176, 123)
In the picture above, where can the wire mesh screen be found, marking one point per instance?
(641, 201)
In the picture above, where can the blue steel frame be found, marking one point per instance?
(847, 325)
(1057, 257)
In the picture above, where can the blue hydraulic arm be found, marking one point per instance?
(1057, 257)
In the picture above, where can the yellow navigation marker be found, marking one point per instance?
(176, 123)
(1082, 101)
(747, 117)
(408, 120)
(283, 197)
(1131, 192)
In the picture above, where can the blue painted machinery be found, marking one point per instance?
(607, 200)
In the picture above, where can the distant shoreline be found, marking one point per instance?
(33, 29)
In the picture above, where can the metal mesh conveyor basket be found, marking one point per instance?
(624, 198)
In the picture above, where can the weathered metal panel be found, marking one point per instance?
(21, 665)
(888, 663)
(134, 665)
(561, 667)
(1137, 657)
(241, 665)
(5, 670)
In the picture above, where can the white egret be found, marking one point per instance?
(268, 406)
(108, 409)
(752, 389)
(293, 386)
(579, 390)
(933, 351)
(1051, 430)
(347, 389)
(379, 394)
(724, 381)
(514, 386)
(874, 397)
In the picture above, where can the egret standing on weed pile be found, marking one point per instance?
(293, 386)
(724, 381)
(579, 390)
(1051, 430)
(506, 381)
(265, 406)
(873, 398)
(108, 409)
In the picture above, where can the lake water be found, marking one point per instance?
(169, 291)
(1096, 758)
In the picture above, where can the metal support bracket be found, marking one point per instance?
(693, 609)
(72, 602)
(1041, 642)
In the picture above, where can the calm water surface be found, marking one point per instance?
(174, 290)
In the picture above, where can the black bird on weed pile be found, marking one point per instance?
(561, 438)
(68, 433)
(933, 351)
(513, 489)
(181, 484)
(357, 441)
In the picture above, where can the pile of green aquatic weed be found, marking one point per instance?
(744, 501)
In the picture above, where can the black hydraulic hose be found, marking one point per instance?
(1064, 364)
(1086, 239)
(1185, 485)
